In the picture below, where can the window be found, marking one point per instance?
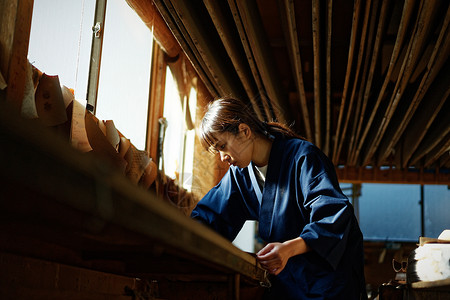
(436, 209)
(125, 72)
(60, 44)
(60, 41)
(393, 212)
(178, 149)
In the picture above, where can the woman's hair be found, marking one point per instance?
(225, 115)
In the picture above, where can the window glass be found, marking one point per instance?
(179, 141)
(390, 212)
(60, 41)
(125, 72)
(173, 141)
(437, 209)
(188, 165)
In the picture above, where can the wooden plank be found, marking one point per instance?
(342, 110)
(317, 80)
(442, 284)
(418, 41)
(15, 26)
(287, 10)
(407, 13)
(83, 184)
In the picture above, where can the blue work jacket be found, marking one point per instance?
(301, 198)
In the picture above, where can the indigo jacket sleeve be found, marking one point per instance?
(331, 215)
(223, 208)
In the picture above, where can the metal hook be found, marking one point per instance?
(97, 28)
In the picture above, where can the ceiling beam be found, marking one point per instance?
(417, 131)
(436, 62)
(392, 175)
(169, 15)
(264, 59)
(417, 43)
(317, 79)
(407, 13)
(326, 147)
(262, 93)
(287, 12)
(441, 149)
(355, 23)
(371, 60)
(236, 53)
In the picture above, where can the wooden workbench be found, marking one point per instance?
(66, 207)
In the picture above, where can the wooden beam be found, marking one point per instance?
(408, 10)
(264, 60)
(89, 198)
(326, 147)
(317, 80)
(339, 137)
(436, 62)
(436, 134)
(236, 53)
(287, 11)
(418, 41)
(441, 149)
(371, 60)
(358, 74)
(416, 132)
(391, 175)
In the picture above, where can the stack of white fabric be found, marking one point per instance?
(431, 260)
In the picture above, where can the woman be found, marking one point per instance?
(315, 246)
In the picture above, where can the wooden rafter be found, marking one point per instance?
(367, 52)
(355, 23)
(235, 52)
(368, 86)
(326, 147)
(436, 62)
(408, 10)
(169, 15)
(417, 42)
(435, 125)
(249, 56)
(264, 60)
(358, 73)
(317, 67)
(287, 11)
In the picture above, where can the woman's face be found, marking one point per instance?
(236, 149)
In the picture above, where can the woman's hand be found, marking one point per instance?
(274, 256)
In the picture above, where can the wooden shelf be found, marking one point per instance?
(64, 206)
